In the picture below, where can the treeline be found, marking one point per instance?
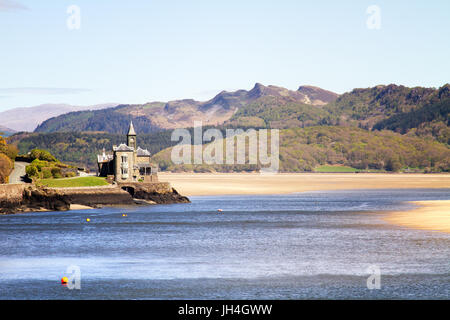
(304, 149)
(82, 148)
(301, 149)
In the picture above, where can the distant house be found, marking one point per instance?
(127, 163)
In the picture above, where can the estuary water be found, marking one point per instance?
(312, 245)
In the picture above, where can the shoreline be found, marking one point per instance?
(204, 184)
(433, 215)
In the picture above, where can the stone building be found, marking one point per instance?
(128, 162)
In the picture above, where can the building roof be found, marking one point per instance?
(102, 158)
(123, 147)
(143, 152)
(131, 131)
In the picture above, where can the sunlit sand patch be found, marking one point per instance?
(431, 215)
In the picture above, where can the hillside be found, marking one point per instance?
(432, 118)
(27, 119)
(301, 149)
(368, 107)
(158, 116)
(305, 149)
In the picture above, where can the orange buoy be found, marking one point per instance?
(64, 280)
(124, 215)
(88, 219)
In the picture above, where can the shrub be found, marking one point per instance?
(56, 172)
(39, 164)
(31, 171)
(42, 155)
(5, 168)
(70, 174)
(46, 173)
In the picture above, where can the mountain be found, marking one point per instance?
(368, 106)
(431, 118)
(5, 131)
(28, 118)
(380, 107)
(158, 116)
(418, 110)
(318, 96)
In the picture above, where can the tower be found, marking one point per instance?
(131, 136)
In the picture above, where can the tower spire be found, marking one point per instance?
(131, 136)
(131, 131)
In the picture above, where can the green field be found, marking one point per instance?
(74, 182)
(335, 169)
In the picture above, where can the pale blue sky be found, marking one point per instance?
(138, 51)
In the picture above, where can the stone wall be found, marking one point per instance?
(27, 197)
(95, 196)
(11, 193)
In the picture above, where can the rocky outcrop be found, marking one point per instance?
(160, 193)
(26, 198)
(29, 198)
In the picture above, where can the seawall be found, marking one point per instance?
(28, 198)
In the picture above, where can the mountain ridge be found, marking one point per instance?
(175, 114)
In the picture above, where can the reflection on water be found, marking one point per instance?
(305, 245)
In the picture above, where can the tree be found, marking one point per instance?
(393, 164)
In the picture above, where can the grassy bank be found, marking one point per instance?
(74, 182)
(337, 169)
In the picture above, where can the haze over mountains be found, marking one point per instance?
(28, 118)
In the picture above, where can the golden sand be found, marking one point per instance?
(191, 184)
(431, 215)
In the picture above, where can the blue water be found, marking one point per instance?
(315, 245)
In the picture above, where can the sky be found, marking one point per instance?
(138, 51)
